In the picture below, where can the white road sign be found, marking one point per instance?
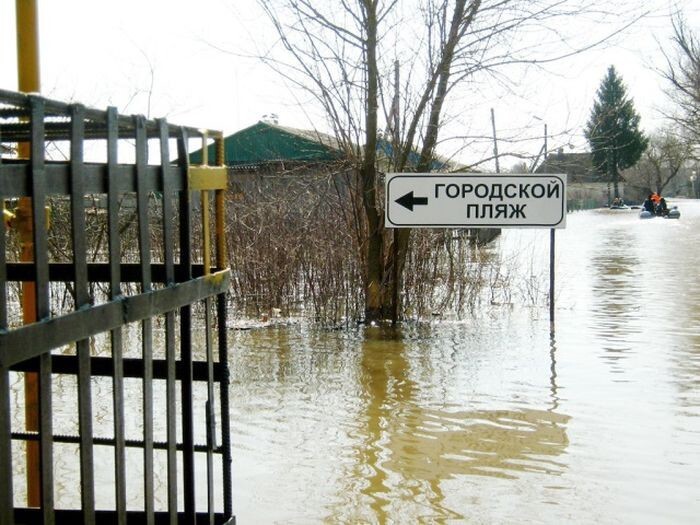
(424, 200)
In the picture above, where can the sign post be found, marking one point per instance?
(468, 200)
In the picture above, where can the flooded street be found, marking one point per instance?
(492, 419)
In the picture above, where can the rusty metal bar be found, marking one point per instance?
(102, 441)
(220, 210)
(82, 299)
(220, 203)
(222, 263)
(206, 231)
(171, 394)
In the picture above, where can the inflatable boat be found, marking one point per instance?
(672, 213)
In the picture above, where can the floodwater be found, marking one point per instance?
(489, 419)
(492, 418)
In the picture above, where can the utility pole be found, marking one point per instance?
(495, 141)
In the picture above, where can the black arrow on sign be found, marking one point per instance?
(409, 201)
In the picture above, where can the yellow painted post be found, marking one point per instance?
(206, 247)
(28, 80)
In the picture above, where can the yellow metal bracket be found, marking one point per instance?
(207, 178)
(8, 217)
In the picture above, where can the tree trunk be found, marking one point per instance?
(459, 23)
(615, 176)
(375, 295)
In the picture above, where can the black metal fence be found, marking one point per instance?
(137, 247)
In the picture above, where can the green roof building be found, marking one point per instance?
(266, 143)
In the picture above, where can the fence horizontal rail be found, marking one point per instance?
(71, 517)
(97, 272)
(109, 442)
(132, 367)
(17, 104)
(33, 340)
(15, 180)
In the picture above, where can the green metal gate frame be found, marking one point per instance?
(176, 289)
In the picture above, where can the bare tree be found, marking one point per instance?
(668, 152)
(343, 55)
(683, 74)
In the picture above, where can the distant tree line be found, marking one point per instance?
(613, 131)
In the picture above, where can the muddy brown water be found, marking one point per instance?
(492, 419)
(486, 419)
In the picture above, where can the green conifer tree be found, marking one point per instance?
(613, 130)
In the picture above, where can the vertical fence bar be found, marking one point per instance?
(146, 324)
(3, 260)
(226, 458)
(116, 334)
(184, 274)
(6, 493)
(41, 265)
(209, 408)
(6, 485)
(222, 263)
(170, 381)
(87, 477)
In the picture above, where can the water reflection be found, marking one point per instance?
(409, 450)
(553, 387)
(616, 293)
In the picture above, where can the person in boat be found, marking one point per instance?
(616, 202)
(648, 204)
(662, 207)
(655, 198)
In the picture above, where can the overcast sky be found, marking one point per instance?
(114, 53)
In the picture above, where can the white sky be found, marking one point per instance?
(102, 53)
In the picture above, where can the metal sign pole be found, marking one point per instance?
(551, 278)
(552, 240)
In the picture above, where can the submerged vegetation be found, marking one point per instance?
(293, 253)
